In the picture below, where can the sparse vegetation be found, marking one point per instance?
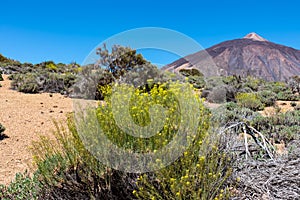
(211, 168)
(249, 100)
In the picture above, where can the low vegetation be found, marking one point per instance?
(217, 164)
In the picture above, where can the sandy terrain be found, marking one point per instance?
(25, 117)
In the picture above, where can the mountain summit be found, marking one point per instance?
(251, 55)
(255, 36)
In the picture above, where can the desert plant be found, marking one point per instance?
(26, 83)
(217, 95)
(22, 187)
(287, 95)
(232, 113)
(67, 169)
(283, 126)
(249, 100)
(51, 66)
(200, 173)
(268, 98)
(294, 84)
(120, 60)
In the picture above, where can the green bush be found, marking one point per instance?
(268, 98)
(252, 83)
(197, 81)
(283, 126)
(23, 187)
(249, 100)
(294, 84)
(287, 95)
(51, 66)
(26, 83)
(66, 169)
(1, 77)
(232, 113)
(217, 95)
(190, 72)
(200, 173)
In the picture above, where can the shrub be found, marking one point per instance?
(293, 104)
(199, 174)
(190, 72)
(232, 113)
(1, 77)
(268, 98)
(294, 84)
(217, 95)
(287, 95)
(252, 83)
(23, 187)
(197, 81)
(51, 66)
(67, 169)
(249, 100)
(26, 83)
(283, 126)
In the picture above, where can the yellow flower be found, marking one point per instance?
(178, 194)
(187, 183)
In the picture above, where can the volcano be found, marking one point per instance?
(251, 55)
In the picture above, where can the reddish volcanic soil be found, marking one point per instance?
(25, 117)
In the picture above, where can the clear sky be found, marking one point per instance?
(66, 31)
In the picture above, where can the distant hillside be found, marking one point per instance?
(251, 55)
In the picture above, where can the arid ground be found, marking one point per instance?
(25, 117)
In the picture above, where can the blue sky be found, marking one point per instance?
(66, 31)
